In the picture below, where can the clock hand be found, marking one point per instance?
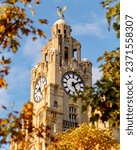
(77, 82)
(39, 89)
(39, 93)
(73, 84)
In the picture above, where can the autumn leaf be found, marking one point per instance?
(5, 70)
(40, 33)
(3, 83)
(3, 122)
(37, 1)
(4, 107)
(34, 38)
(16, 112)
(43, 21)
(5, 61)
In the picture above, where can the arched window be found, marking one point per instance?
(66, 53)
(46, 57)
(58, 31)
(75, 53)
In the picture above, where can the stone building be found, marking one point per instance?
(60, 76)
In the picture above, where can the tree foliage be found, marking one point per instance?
(84, 138)
(11, 125)
(17, 128)
(104, 96)
(4, 71)
(113, 14)
(106, 91)
(14, 24)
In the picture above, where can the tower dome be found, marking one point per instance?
(60, 21)
(85, 60)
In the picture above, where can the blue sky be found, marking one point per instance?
(89, 26)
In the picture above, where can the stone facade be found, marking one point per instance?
(61, 54)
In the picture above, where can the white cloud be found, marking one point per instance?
(32, 50)
(91, 28)
(20, 73)
(96, 74)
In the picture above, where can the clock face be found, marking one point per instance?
(72, 83)
(39, 88)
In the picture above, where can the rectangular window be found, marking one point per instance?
(55, 104)
(64, 33)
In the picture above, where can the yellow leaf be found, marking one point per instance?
(37, 1)
(2, 29)
(43, 21)
(3, 121)
(3, 83)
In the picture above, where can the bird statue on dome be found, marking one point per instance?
(60, 11)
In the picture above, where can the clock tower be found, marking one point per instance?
(55, 81)
(58, 78)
